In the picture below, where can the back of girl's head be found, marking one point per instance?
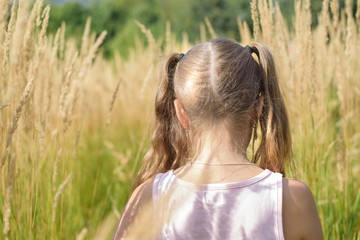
(219, 83)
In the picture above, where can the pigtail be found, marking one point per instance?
(275, 150)
(168, 142)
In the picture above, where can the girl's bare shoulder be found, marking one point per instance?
(300, 216)
(139, 200)
(297, 191)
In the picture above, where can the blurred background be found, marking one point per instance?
(185, 16)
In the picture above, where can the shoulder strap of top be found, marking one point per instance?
(155, 190)
(279, 188)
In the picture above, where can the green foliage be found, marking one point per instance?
(73, 14)
(117, 17)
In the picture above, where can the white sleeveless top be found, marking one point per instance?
(250, 209)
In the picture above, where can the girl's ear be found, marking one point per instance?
(181, 114)
(259, 106)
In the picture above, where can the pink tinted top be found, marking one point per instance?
(250, 209)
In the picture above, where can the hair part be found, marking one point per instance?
(219, 82)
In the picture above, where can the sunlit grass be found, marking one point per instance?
(62, 128)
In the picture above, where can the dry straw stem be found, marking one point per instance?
(45, 16)
(3, 106)
(77, 140)
(8, 195)
(55, 48)
(325, 18)
(112, 102)
(146, 81)
(82, 234)
(53, 60)
(8, 38)
(334, 6)
(58, 194)
(29, 32)
(210, 27)
(168, 45)
(4, 6)
(55, 172)
(85, 39)
(24, 98)
(244, 31)
(255, 19)
(202, 32)
(21, 22)
(39, 127)
(357, 15)
(266, 21)
(66, 86)
(62, 40)
(81, 75)
(92, 54)
(148, 35)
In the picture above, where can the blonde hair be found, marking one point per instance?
(218, 81)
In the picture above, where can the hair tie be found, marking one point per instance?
(250, 49)
(181, 55)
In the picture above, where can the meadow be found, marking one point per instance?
(75, 126)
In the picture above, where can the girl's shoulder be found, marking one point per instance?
(137, 210)
(300, 217)
(295, 189)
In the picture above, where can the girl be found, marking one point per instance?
(197, 181)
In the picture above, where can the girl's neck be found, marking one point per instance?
(219, 154)
(217, 147)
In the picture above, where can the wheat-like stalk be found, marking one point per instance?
(65, 88)
(52, 61)
(266, 21)
(145, 82)
(44, 25)
(8, 195)
(92, 53)
(3, 106)
(23, 100)
(20, 27)
(82, 234)
(7, 42)
(39, 127)
(85, 39)
(62, 40)
(113, 101)
(58, 194)
(255, 19)
(210, 27)
(4, 6)
(55, 171)
(168, 46)
(244, 31)
(86, 63)
(148, 35)
(28, 37)
(334, 6)
(202, 32)
(77, 140)
(357, 15)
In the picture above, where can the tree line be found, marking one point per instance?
(118, 18)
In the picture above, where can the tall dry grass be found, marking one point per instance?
(74, 126)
